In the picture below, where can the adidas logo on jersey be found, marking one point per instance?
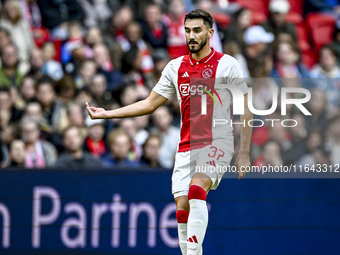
(185, 74)
(192, 239)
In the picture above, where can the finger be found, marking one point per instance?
(240, 175)
(87, 104)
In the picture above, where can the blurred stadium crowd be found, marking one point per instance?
(56, 55)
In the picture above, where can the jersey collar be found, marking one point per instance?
(203, 60)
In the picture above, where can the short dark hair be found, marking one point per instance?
(208, 20)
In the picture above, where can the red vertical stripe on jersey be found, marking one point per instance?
(196, 131)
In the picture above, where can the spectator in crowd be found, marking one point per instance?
(130, 126)
(10, 75)
(33, 110)
(141, 133)
(96, 12)
(131, 68)
(129, 95)
(56, 13)
(133, 37)
(151, 149)
(93, 36)
(86, 72)
(39, 153)
(277, 24)
(19, 29)
(243, 19)
(5, 38)
(104, 66)
(271, 155)
(74, 40)
(154, 30)
(257, 41)
(314, 140)
(27, 88)
(51, 67)
(333, 139)
(76, 117)
(263, 86)
(177, 45)
(98, 88)
(17, 154)
(160, 58)
(74, 156)
(169, 134)
(232, 49)
(7, 107)
(298, 138)
(32, 15)
(65, 89)
(318, 108)
(94, 143)
(119, 21)
(336, 41)
(54, 112)
(279, 134)
(83, 95)
(36, 62)
(120, 144)
(287, 62)
(327, 73)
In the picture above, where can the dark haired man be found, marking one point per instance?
(201, 143)
(10, 75)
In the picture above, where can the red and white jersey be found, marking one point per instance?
(179, 76)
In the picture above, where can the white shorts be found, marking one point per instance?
(205, 160)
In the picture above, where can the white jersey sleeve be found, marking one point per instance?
(233, 75)
(165, 87)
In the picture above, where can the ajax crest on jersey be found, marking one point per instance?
(207, 73)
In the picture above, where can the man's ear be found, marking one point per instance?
(211, 32)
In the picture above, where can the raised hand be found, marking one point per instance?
(96, 113)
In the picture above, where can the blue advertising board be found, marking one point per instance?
(132, 212)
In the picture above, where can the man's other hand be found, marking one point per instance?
(242, 164)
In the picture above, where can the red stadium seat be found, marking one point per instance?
(309, 58)
(302, 37)
(296, 11)
(222, 19)
(296, 6)
(321, 28)
(258, 7)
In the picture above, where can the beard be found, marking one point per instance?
(199, 45)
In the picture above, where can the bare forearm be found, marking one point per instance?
(246, 131)
(137, 109)
(146, 106)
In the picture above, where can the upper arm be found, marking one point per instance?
(234, 75)
(165, 87)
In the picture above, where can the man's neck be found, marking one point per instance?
(205, 51)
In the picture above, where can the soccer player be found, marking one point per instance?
(202, 143)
